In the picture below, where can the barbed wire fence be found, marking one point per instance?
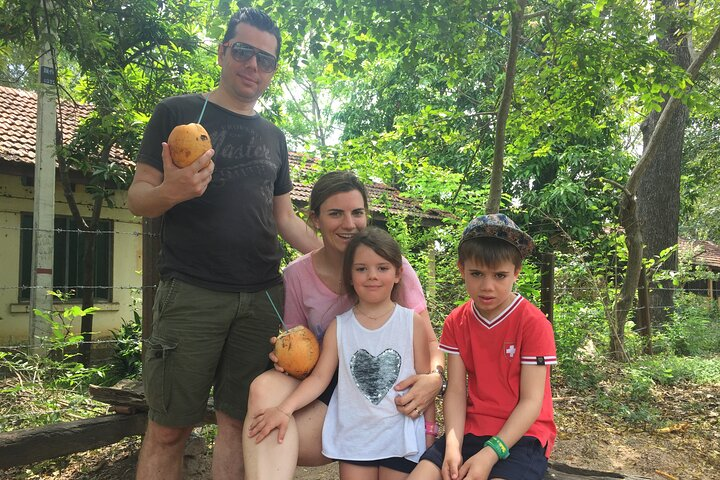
(560, 290)
(82, 406)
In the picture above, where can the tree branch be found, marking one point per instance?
(617, 185)
(672, 104)
(493, 202)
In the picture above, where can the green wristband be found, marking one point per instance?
(499, 447)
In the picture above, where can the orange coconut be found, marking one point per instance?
(297, 351)
(187, 143)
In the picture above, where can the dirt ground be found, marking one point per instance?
(686, 446)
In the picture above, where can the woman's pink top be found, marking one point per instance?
(309, 302)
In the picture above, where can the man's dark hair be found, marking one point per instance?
(256, 18)
(489, 251)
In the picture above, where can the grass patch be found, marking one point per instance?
(673, 370)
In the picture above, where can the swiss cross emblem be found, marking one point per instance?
(510, 350)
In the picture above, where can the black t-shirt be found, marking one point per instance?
(226, 239)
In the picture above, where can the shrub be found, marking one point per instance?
(126, 361)
(694, 327)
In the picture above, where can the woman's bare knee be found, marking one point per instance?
(269, 389)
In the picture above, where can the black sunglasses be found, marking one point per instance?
(242, 52)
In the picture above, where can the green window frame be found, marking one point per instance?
(67, 261)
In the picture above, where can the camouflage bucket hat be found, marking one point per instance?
(499, 226)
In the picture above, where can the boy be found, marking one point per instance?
(501, 425)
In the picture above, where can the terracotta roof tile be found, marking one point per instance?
(380, 195)
(701, 252)
(18, 121)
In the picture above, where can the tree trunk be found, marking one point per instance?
(496, 179)
(628, 207)
(659, 188)
(623, 304)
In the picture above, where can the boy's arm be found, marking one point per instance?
(421, 356)
(454, 411)
(532, 391)
(265, 421)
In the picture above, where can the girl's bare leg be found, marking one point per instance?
(303, 440)
(390, 474)
(425, 470)
(348, 471)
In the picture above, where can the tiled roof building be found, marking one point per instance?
(17, 153)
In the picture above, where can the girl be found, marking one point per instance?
(373, 346)
(314, 297)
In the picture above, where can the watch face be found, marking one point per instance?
(443, 385)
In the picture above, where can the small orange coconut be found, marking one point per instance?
(187, 143)
(297, 351)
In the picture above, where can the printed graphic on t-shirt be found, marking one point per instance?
(375, 376)
(248, 159)
(510, 350)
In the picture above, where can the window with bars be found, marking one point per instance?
(67, 263)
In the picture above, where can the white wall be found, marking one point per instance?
(16, 199)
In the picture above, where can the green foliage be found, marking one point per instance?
(62, 337)
(528, 283)
(628, 389)
(52, 387)
(580, 331)
(36, 390)
(674, 370)
(700, 183)
(622, 391)
(694, 327)
(126, 361)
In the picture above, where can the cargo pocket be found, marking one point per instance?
(157, 373)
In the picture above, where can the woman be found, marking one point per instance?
(313, 297)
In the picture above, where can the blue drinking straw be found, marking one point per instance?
(203, 113)
(276, 310)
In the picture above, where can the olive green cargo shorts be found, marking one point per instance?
(202, 339)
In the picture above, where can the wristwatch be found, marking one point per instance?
(443, 386)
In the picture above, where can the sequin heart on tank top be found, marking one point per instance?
(375, 376)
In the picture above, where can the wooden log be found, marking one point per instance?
(120, 396)
(129, 398)
(23, 447)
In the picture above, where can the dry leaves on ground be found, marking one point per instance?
(686, 446)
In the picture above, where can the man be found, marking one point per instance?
(220, 290)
